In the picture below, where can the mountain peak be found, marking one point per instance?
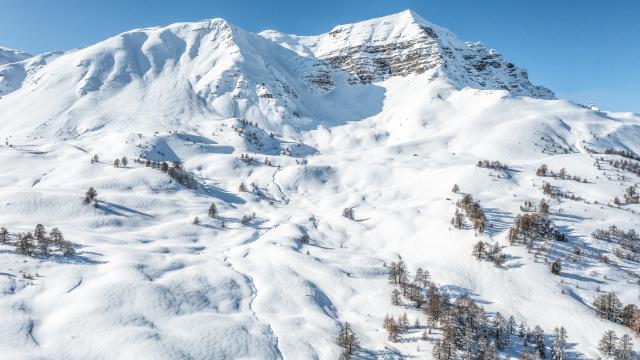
(404, 43)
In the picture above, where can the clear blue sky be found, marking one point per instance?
(585, 50)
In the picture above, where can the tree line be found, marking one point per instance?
(38, 242)
(468, 331)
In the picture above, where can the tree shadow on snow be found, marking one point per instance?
(212, 191)
(112, 209)
(498, 221)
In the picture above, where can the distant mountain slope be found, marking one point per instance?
(8, 56)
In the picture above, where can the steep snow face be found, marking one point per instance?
(405, 43)
(8, 56)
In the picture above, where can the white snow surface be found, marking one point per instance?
(148, 284)
(8, 56)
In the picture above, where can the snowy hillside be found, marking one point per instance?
(330, 162)
(8, 56)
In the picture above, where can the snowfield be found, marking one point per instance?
(383, 117)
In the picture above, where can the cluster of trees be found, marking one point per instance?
(623, 153)
(395, 327)
(628, 240)
(497, 165)
(552, 191)
(528, 206)
(347, 340)
(619, 349)
(249, 131)
(242, 187)
(474, 213)
(630, 166)
(38, 242)
(176, 171)
(534, 226)
(609, 307)
(348, 213)
(245, 158)
(543, 170)
(246, 219)
(467, 330)
(412, 290)
(485, 251)
(124, 162)
(631, 195)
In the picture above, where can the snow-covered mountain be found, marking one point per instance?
(405, 43)
(8, 56)
(328, 158)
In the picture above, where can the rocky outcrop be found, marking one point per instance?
(404, 44)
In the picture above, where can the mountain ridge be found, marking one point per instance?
(213, 64)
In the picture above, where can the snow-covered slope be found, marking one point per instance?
(382, 116)
(8, 56)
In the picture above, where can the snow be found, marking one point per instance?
(149, 284)
(8, 56)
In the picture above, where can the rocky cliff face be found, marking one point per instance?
(403, 44)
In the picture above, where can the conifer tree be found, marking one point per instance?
(607, 345)
(556, 267)
(608, 306)
(395, 297)
(42, 240)
(57, 239)
(511, 325)
(68, 249)
(393, 330)
(559, 344)
(90, 196)
(403, 322)
(478, 250)
(4, 235)
(500, 331)
(625, 348)
(213, 212)
(347, 340)
(538, 339)
(25, 244)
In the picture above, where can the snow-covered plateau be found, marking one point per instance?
(341, 168)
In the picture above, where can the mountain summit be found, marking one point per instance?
(213, 68)
(405, 43)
